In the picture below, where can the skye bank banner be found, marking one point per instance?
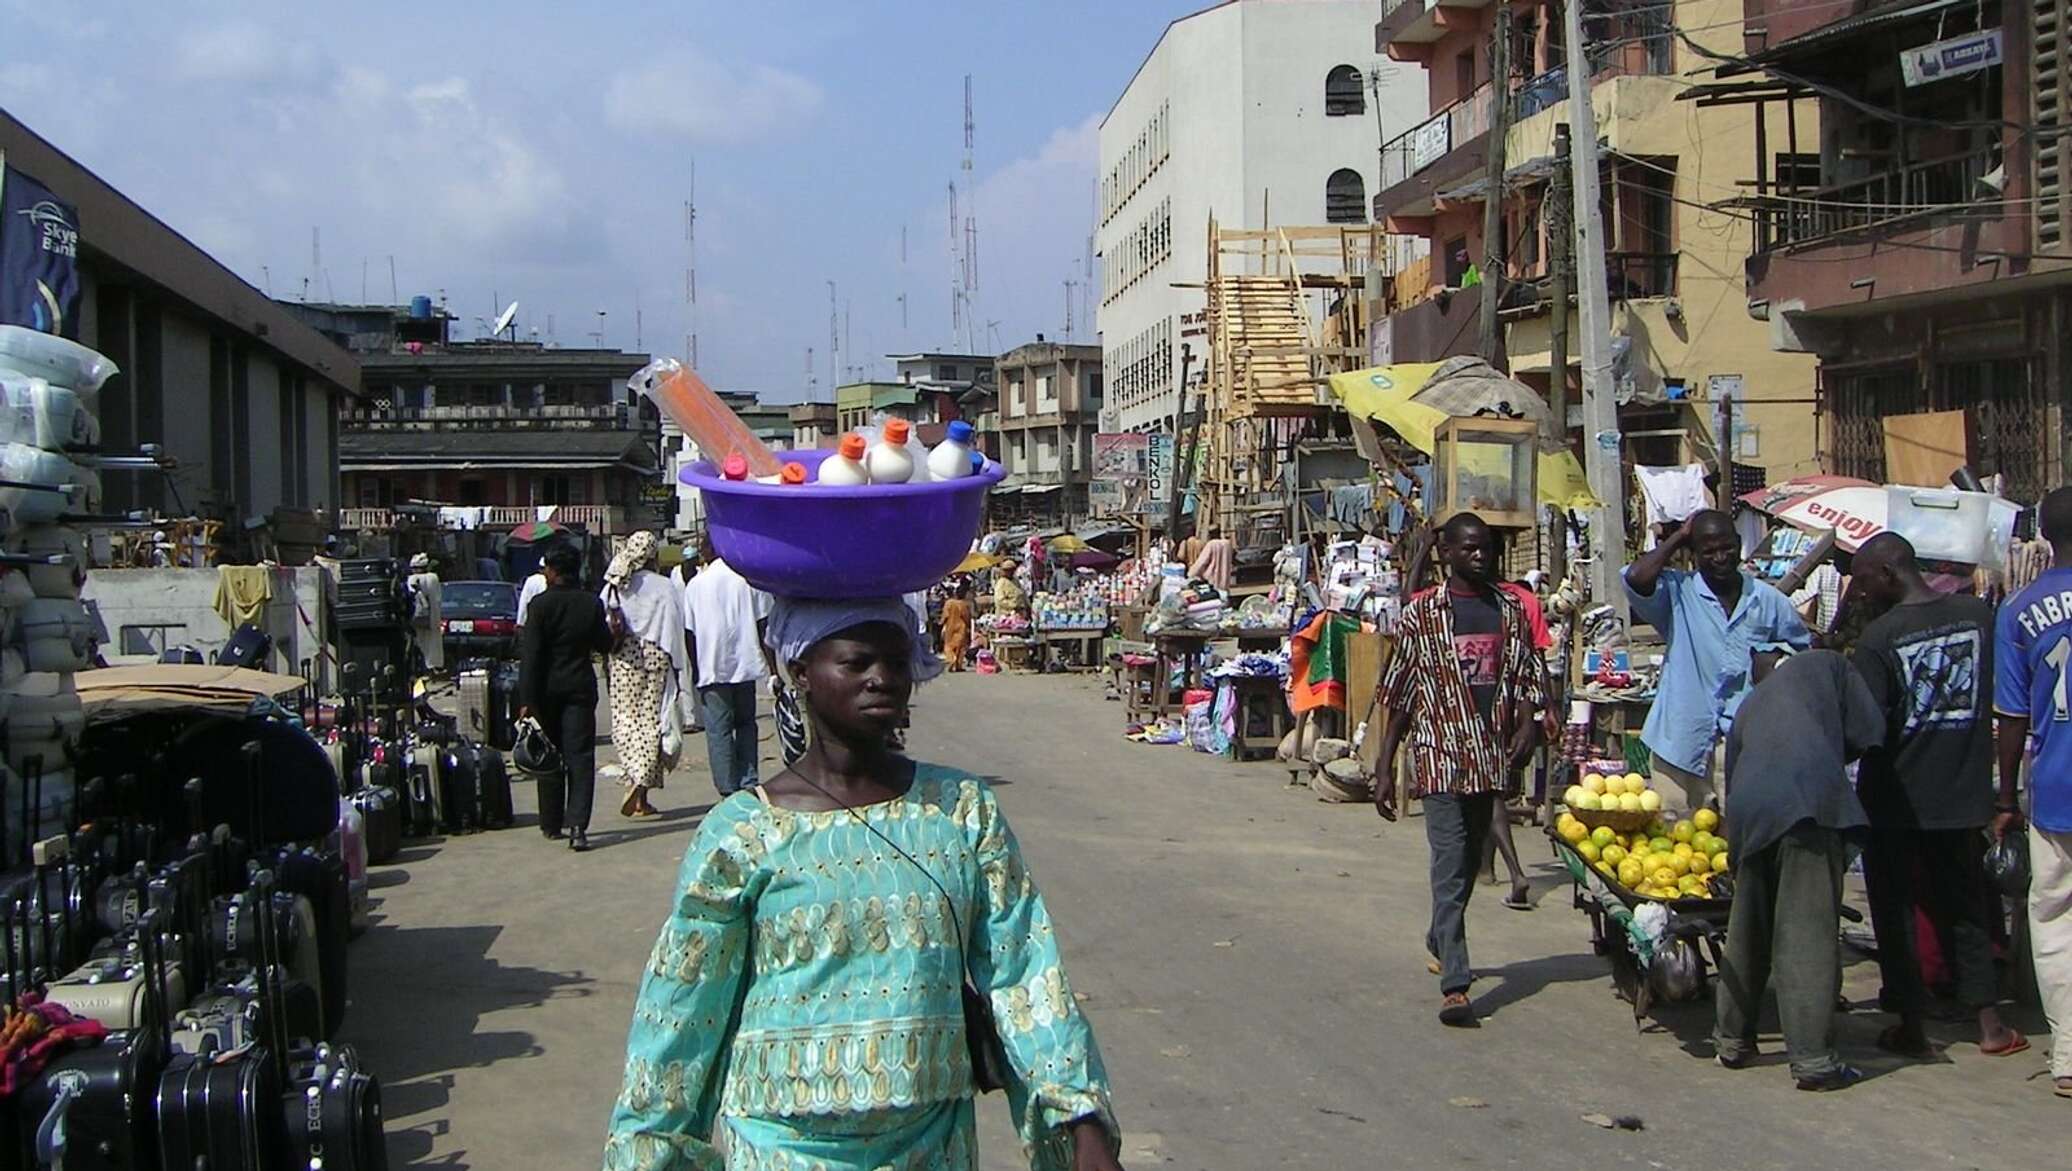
(39, 257)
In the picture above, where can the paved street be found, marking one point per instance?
(1251, 959)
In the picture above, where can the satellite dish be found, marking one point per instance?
(503, 320)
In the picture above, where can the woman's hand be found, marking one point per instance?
(1090, 1147)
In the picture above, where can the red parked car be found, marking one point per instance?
(480, 620)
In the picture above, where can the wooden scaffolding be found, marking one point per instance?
(1286, 309)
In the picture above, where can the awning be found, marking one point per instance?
(1829, 35)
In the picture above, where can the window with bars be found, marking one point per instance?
(1345, 197)
(2050, 29)
(1342, 92)
(2006, 408)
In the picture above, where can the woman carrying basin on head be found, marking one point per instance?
(805, 1004)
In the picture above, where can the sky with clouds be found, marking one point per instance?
(543, 152)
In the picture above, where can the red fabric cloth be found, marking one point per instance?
(1535, 617)
(21, 1063)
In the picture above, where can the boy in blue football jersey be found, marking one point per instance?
(2032, 697)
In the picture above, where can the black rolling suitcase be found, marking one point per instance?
(220, 1112)
(320, 877)
(249, 646)
(493, 790)
(332, 1111)
(421, 815)
(382, 807)
(459, 788)
(91, 1108)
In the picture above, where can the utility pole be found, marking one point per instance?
(1493, 197)
(1560, 211)
(1183, 458)
(1602, 446)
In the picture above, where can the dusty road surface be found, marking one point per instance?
(1252, 961)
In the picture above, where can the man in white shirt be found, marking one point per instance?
(725, 618)
(534, 586)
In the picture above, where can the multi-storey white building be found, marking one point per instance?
(1253, 110)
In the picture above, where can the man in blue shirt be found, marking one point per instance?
(2032, 652)
(1711, 622)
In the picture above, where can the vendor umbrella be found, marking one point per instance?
(1068, 543)
(535, 531)
(1093, 559)
(975, 562)
(1854, 510)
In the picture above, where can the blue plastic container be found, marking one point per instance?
(867, 541)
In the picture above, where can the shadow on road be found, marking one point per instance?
(435, 985)
(1519, 981)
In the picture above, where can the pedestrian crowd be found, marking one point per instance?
(1888, 752)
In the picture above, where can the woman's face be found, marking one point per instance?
(858, 682)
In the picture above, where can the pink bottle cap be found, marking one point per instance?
(734, 467)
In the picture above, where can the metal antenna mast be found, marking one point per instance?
(690, 273)
(834, 338)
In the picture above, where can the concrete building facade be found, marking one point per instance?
(245, 397)
(1050, 407)
(1258, 112)
(1680, 331)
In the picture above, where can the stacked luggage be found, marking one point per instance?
(194, 983)
(49, 446)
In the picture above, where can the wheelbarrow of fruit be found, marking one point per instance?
(1657, 887)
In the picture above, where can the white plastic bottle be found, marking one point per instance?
(845, 466)
(889, 461)
(952, 457)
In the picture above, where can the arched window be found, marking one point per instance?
(1342, 92)
(1345, 197)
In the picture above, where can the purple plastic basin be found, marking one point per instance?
(820, 541)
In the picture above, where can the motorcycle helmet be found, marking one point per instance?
(534, 754)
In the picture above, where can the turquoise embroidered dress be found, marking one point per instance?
(802, 1007)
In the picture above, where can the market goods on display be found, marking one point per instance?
(1616, 824)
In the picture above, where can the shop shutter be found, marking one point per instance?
(2046, 108)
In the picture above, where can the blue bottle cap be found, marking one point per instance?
(960, 432)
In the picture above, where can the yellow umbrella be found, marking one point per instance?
(1385, 394)
(975, 561)
(1069, 543)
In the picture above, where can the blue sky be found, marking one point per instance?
(540, 153)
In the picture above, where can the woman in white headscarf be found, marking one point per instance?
(427, 631)
(646, 665)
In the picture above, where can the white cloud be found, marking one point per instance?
(687, 95)
(240, 51)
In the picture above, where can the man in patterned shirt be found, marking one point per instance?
(1466, 686)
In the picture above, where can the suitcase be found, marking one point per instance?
(382, 806)
(249, 647)
(112, 991)
(384, 590)
(489, 705)
(221, 1112)
(421, 813)
(332, 1111)
(92, 1107)
(359, 569)
(375, 615)
(320, 878)
(493, 791)
(459, 786)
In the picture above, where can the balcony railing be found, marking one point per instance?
(1949, 184)
(613, 416)
(1429, 141)
(596, 518)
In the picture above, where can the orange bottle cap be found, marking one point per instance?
(792, 473)
(852, 446)
(896, 431)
